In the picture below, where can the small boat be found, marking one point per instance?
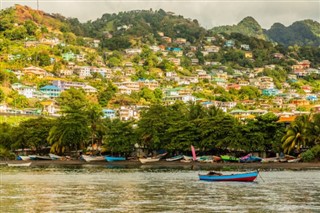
(205, 159)
(33, 157)
(160, 155)
(89, 158)
(21, 157)
(216, 158)
(19, 164)
(38, 157)
(148, 160)
(187, 158)
(294, 160)
(227, 158)
(185, 161)
(111, 158)
(55, 157)
(270, 160)
(178, 157)
(250, 159)
(283, 160)
(243, 177)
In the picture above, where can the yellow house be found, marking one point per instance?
(248, 55)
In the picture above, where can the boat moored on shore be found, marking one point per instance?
(19, 164)
(89, 158)
(112, 158)
(148, 160)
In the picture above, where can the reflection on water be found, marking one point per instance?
(101, 189)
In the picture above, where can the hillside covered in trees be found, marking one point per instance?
(302, 33)
(122, 69)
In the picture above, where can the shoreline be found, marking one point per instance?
(173, 165)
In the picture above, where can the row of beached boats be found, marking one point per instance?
(182, 158)
(40, 157)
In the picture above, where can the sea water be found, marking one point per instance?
(102, 189)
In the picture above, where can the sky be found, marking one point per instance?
(209, 13)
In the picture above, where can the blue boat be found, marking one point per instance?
(250, 159)
(111, 158)
(243, 177)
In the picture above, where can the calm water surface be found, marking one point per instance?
(101, 189)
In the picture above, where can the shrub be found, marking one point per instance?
(316, 151)
(307, 156)
(6, 154)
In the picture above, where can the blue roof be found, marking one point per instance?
(50, 87)
(108, 110)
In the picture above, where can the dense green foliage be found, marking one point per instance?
(302, 33)
(173, 128)
(303, 133)
(125, 25)
(248, 26)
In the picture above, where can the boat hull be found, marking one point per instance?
(89, 158)
(55, 157)
(111, 159)
(250, 159)
(244, 177)
(20, 157)
(187, 158)
(148, 160)
(227, 158)
(179, 157)
(19, 164)
(294, 160)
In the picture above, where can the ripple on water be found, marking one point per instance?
(97, 189)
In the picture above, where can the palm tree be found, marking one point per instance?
(296, 136)
(94, 115)
(314, 130)
(71, 132)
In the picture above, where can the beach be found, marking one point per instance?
(176, 165)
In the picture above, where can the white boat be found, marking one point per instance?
(19, 164)
(89, 158)
(148, 160)
(269, 160)
(187, 158)
(55, 157)
(23, 157)
(185, 161)
(294, 160)
(178, 157)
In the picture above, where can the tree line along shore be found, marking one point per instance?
(173, 128)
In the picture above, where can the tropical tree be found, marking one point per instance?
(120, 137)
(33, 133)
(94, 116)
(313, 132)
(72, 129)
(295, 137)
(152, 127)
(72, 101)
(70, 133)
(6, 140)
